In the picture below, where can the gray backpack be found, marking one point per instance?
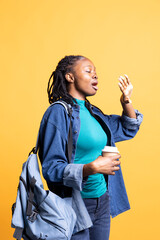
(38, 213)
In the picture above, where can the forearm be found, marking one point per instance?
(127, 108)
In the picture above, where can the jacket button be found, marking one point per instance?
(77, 117)
(75, 131)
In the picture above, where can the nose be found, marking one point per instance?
(95, 76)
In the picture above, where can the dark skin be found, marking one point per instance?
(82, 82)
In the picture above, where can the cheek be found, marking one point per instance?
(83, 81)
(85, 84)
(86, 80)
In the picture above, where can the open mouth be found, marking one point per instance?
(94, 85)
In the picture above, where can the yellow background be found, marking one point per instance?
(120, 37)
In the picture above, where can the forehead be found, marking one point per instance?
(85, 62)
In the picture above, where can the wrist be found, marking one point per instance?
(125, 100)
(89, 169)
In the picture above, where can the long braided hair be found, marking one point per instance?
(57, 84)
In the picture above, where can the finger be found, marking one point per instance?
(117, 156)
(116, 168)
(123, 78)
(120, 86)
(124, 81)
(116, 163)
(127, 78)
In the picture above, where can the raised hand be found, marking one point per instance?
(125, 86)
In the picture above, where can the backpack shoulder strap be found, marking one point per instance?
(66, 106)
(70, 141)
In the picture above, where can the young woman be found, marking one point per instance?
(98, 190)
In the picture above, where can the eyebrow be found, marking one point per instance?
(90, 66)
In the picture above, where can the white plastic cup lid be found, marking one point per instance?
(110, 149)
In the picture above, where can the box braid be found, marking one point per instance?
(57, 85)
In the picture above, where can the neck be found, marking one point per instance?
(76, 94)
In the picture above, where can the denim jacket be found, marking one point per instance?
(53, 134)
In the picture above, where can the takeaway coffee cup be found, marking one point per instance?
(109, 151)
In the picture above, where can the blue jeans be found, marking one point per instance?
(99, 211)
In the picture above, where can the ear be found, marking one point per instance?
(69, 77)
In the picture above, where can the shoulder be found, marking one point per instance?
(55, 114)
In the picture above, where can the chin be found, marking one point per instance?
(91, 94)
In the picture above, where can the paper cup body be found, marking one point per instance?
(109, 151)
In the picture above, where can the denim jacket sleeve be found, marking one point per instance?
(73, 176)
(124, 127)
(52, 154)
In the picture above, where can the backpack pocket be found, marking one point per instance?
(57, 213)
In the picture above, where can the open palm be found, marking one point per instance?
(125, 86)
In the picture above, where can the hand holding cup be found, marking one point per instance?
(108, 163)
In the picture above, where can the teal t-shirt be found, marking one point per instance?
(91, 141)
